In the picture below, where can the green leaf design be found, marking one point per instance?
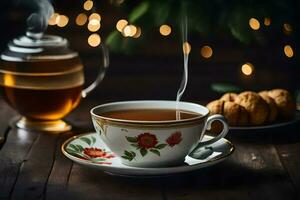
(127, 158)
(74, 153)
(143, 152)
(71, 150)
(79, 147)
(155, 151)
(93, 140)
(86, 140)
(131, 139)
(138, 11)
(75, 148)
(127, 153)
(133, 153)
(98, 159)
(160, 146)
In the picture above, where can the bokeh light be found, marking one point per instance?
(129, 31)
(287, 28)
(206, 51)
(94, 25)
(165, 30)
(247, 69)
(81, 19)
(138, 33)
(95, 16)
(254, 24)
(88, 5)
(288, 51)
(62, 20)
(186, 48)
(267, 21)
(121, 24)
(9, 80)
(53, 19)
(94, 22)
(94, 40)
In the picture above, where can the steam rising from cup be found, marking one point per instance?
(37, 22)
(186, 48)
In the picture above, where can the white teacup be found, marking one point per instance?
(168, 142)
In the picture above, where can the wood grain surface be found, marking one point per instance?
(264, 166)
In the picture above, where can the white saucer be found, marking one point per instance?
(81, 149)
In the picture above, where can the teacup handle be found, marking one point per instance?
(101, 73)
(207, 126)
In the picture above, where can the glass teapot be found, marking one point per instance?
(42, 79)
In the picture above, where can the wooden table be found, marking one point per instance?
(32, 166)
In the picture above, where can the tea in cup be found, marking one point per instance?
(154, 133)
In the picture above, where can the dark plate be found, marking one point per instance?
(268, 126)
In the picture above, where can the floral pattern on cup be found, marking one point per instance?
(87, 151)
(147, 142)
(174, 139)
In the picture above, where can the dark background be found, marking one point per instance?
(154, 69)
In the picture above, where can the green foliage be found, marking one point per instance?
(225, 87)
(206, 17)
(138, 11)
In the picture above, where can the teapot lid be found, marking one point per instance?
(37, 47)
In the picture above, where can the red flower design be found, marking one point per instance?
(174, 139)
(147, 140)
(96, 153)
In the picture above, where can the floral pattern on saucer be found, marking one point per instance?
(87, 150)
(94, 149)
(147, 142)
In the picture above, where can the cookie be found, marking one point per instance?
(235, 114)
(256, 107)
(284, 101)
(215, 107)
(243, 119)
(231, 112)
(273, 111)
(264, 92)
(229, 97)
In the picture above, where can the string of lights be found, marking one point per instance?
(128, 30)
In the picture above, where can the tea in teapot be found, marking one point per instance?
(42, 79)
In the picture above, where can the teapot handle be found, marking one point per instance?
(101, 73)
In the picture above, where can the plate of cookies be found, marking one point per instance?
(256, 110)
